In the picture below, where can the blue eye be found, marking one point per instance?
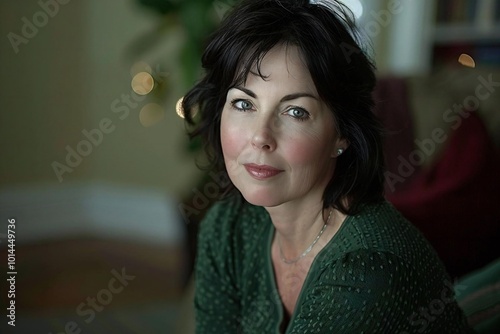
(242, 105)
(298, 113)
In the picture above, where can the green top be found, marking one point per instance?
(376, 275)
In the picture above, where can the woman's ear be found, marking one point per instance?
(339, 148)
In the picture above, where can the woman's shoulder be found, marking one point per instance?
(382, 292)
(379, 229)
(379, 258)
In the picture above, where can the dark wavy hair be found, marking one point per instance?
(343, 74)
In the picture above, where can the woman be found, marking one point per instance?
(304, 242)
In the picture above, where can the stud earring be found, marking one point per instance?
(340, 151)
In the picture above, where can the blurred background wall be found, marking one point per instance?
(94, 173)
(66, 79)
(92, 178)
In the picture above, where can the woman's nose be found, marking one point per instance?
(263, 136)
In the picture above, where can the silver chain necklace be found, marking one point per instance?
(308, 248)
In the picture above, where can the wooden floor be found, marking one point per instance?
(59, 276)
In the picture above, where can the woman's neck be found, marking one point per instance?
(298, 228)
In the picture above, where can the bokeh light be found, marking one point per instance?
(180, 111)
(178, 107)
(467, 60)
(151, 114)
(143, 83)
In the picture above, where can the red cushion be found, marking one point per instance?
(456, 202)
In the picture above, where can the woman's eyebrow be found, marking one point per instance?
(288, 97)
(247, 91)
(294, 96)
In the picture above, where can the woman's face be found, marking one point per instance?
(277, 136)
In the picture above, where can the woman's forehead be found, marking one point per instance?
(284, 64)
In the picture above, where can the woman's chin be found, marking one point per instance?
(260, 198)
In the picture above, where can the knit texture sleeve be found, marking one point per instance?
(217, 303)
(367, 291)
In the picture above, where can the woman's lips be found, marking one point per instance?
(262, 172)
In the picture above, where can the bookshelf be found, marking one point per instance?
(466, 26)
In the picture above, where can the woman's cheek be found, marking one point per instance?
(304, 150)
(231, 140)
